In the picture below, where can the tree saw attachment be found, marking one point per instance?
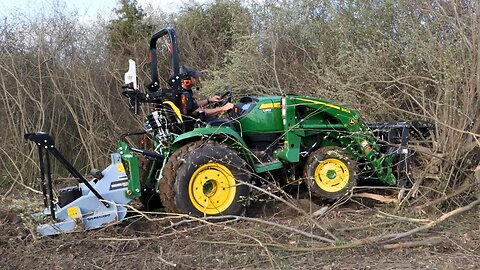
(89, 205)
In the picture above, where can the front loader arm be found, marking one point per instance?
(343, 127)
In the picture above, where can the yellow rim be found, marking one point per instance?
(332, 175)
(212, 188)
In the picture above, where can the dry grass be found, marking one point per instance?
(162, 242)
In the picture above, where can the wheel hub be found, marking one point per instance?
(209, 188)
(332, 175)
(212, 188)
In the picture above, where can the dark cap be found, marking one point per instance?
(190, 72)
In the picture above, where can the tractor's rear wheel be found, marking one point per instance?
(330, 172)
(205, 179)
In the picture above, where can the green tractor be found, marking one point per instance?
(209, 170)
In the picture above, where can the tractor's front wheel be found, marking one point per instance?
(205, 179)
(330, 172)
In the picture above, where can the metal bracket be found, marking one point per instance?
(46, 146)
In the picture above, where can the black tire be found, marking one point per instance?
(330, 172)
(205, 179)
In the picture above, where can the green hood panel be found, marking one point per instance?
(264, 117)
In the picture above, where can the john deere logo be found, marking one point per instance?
(352, 121)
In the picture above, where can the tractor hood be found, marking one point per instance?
(265, 114)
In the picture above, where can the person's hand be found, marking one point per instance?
(227, 107)
(214, 99)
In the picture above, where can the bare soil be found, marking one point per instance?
(152, 242)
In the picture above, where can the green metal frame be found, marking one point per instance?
(347, 131)
(128, 157)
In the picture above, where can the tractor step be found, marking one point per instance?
(265, 167)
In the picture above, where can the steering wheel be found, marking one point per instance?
(226, 98)
(233, 113)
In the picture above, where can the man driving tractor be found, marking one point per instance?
(191, 79)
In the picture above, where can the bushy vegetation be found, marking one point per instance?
(389, 59)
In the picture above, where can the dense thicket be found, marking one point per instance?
(389, 59)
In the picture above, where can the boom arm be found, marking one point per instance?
(345, 128)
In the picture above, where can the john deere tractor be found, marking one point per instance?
(208, 170)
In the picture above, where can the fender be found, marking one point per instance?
(217, 133)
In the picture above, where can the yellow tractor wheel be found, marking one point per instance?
(205, 179)
(330, 172)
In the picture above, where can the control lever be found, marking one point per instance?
(149, 154)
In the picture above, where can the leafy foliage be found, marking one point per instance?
(124, 31)
(389, 59)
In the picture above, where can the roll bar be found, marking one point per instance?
(176, 82)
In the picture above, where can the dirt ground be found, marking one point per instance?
(157, 241)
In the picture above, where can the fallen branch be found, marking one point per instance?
(9, 191)
(258, 220)
(412, 192)
(207, 221)
(425, 242)
(416, 220)
(369, 226)
(284, 247)
(460, 190)
(297, 209)
(165, 261)
(393, 237)
(377, 197)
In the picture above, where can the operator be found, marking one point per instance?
(191, 79)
